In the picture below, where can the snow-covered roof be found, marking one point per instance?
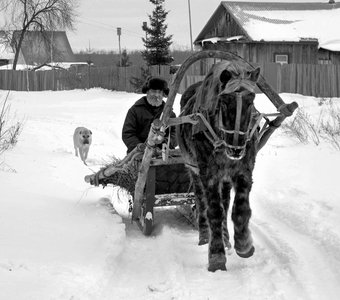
(214, 40)
(19, 67)
(272, 21)
(49, 66)
(63, 65)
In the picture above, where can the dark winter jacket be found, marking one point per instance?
(138, 122)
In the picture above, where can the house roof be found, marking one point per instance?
(293, 22)
(36, 47)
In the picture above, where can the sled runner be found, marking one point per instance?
(160, 177)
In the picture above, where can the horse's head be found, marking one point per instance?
(227, 95)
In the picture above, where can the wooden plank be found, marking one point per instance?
(337, 80)
(270, 72)
(332, 81)
(174, 199)
(150, 188)
(171, 161)
(317, 81)
(286, 78)
(27, 74)
(292, 78)
(18, 78)
(322, 86)
(279, 79)
(299, 80)
(306, 80)
(326, 79)
(313, 80)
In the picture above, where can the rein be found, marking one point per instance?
(219, 143)
(238, 118)
(201, 123)
(237, 132)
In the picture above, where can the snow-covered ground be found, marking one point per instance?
(61, 239)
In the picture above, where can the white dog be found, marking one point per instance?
(82, 139)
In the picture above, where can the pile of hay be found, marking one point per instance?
(122, 176)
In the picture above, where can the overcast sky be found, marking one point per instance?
(98, 21)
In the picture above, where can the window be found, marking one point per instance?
(324, 61)
(281, 58)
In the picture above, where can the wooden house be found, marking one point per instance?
(40, 48)
(285, 33)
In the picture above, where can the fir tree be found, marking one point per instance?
(157, 43)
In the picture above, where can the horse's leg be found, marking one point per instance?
(215, 215)
(241, 215)
(203, 229)
(226, 201)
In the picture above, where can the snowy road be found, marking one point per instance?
(61, 239)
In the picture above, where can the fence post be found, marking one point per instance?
(88, 76)
(27, 81)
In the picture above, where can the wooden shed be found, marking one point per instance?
(285, 33)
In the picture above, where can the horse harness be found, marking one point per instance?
(201, 123)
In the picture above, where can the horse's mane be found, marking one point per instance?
(206, 94)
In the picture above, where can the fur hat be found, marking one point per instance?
(155, 83)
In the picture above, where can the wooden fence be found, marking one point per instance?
(113, 78)
(309, 80)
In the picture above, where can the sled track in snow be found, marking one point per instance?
(299, 241)
(171, 265)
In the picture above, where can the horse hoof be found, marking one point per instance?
(203, 241)
(227, 247)
(229, 251)
(203, 237)
(246, 254)
(217, 262)
(227, 244)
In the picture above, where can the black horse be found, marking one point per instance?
(220, 152)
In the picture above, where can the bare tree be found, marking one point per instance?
(39, 15)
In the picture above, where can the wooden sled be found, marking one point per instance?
(146, 193)
(167, 184)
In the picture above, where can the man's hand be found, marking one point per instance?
(141, 147)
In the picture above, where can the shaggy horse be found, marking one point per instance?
(219, 151)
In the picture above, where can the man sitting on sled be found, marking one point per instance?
(136, 129)
(145, 110)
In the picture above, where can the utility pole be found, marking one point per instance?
(119, 32)
(145, 26)
(190, 25)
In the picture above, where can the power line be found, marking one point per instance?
(123, 31)
(110, 27)
(94, 21)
